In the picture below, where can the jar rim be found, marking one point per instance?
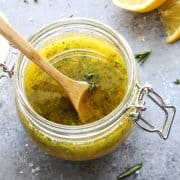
(111, 117)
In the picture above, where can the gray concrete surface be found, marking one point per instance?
(20, 159)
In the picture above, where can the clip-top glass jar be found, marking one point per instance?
(90, 141)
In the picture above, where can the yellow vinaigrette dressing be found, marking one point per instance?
(80, 56)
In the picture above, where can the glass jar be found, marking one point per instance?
(90, 141)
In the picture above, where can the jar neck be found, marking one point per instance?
(61, 27)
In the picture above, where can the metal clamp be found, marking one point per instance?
(6, 71)
(140, 107)
(7, 67)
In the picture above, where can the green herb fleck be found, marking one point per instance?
(177, 81)
(92, 87)
(142, 57)
(71, 15)
(162, 35)
(35, 1)
(89, 75)
(130, 171)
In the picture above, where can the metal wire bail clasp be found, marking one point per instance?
(6, 71)
(140, 107)
(7, 65)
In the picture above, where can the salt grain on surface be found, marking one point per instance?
(30, 19)
(31, 164)
(21, 172)
(37, 169)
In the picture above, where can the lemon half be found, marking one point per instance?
(170, 17)
(139, 5)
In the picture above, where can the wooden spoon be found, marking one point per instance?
(75, 90)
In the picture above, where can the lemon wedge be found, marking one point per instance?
(139, 5)
(170, 17)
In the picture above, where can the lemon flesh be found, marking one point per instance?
(139, 5)
(170, 17)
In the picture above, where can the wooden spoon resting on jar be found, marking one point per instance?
(75, 90)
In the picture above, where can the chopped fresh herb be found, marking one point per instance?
(105, 6)
(92, 87)
(142, 57)
(25, 1)
(89, 75)
(71, 15)
(177, 81)
(36, 1)
(130, 171)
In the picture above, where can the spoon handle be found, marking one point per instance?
(26, 48)
(74, 89)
